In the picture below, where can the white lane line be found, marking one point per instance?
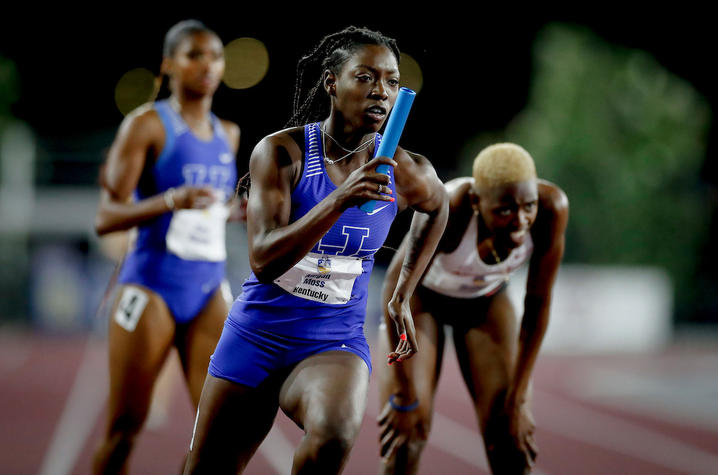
(576, 422)
(83, 406)
(278, 450)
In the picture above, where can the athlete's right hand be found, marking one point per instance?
(400, 314)
(363, 184)
(193, 197)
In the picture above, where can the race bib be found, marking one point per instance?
(326, 279)
(198, 234)
(130, 308)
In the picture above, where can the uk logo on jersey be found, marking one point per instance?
(349, 243)
(225, 158)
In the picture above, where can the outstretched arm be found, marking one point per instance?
(422, 190)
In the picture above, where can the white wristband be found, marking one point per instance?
(169, 198)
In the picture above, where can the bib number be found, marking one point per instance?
(326, 279)
(198, 234)
(129, 310)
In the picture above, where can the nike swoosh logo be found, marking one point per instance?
(377, 210)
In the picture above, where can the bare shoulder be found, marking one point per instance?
(552, 219)
(411, 160)
(143, 121)
(412, 165)
(233, 132)
(460, 211)
(140, 136)
(141, 131)
(459, 187)
(281, 147)
(230, 127)
(416, 181)
(552, 197)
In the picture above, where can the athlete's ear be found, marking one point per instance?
(330, 81)
(474, 200)
(166, 66)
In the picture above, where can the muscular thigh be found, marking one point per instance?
(325, 388)
(486, 352)
(197, 340)
(232, 420)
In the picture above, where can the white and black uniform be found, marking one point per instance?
(462, 274)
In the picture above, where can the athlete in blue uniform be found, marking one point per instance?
(170, 173)
(294, 338)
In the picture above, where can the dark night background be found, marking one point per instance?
(476, 70)
(616, 103)
(476, 63)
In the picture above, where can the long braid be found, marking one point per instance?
(310, 104)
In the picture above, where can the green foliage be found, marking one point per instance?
(9, 86)
(625, 139)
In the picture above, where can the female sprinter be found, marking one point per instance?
(294, 339)
(176, 159)
(498, 218)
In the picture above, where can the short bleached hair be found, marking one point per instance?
(502, 163)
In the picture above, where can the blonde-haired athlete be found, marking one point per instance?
(499, 218)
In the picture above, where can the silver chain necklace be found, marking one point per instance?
(360, 148)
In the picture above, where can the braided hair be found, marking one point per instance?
(331, 53)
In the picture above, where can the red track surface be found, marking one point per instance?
(641, 414)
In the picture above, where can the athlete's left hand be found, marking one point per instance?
(521, 429)
(397, 429)
(400, 313)
(510, 445)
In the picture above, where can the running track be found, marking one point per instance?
(639, 414)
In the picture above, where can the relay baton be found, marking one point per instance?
(391, 136)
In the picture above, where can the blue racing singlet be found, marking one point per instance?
(180, 273)
(299, 304)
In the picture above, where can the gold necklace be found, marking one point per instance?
(496, 258)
